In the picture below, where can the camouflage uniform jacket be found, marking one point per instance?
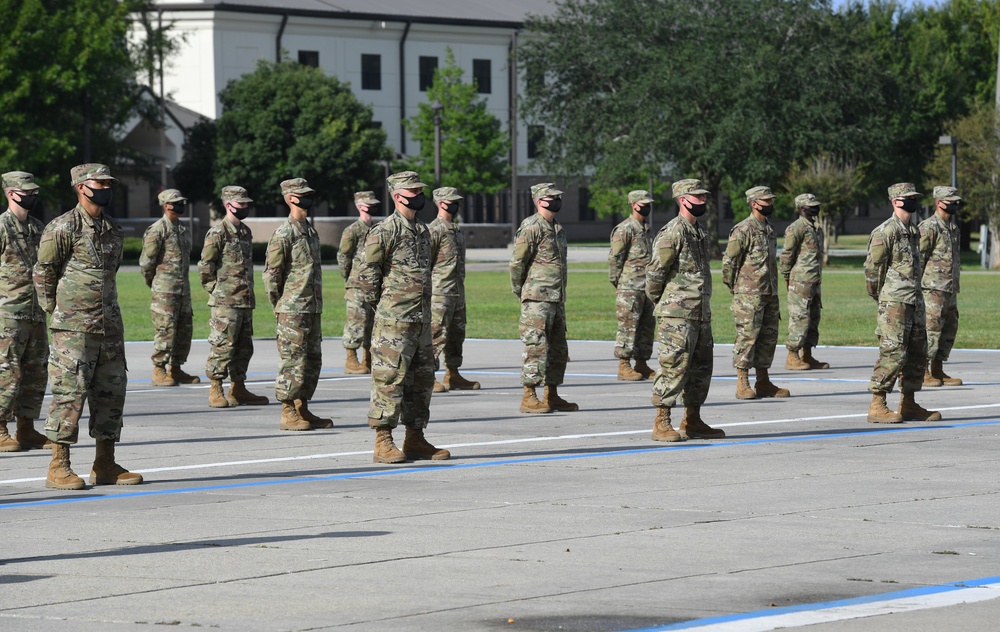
(631, 247)
(166, 257)
(448, 257)
(226, 266)
(939, 252)
(802, 256)
(18, 252)
(749, 267)
(351, 254)
(78, 260)
(892, 268)
(397, 270)
(538, 265)
(293, 272)
(679, 280)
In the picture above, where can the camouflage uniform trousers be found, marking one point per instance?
(756, 319)
(231, 337)
(300, 353)
(804, 309)
(543, 332)
(402, 374)
(685, 354)
(172, 322)
(448, 329)
(86, 368)
(360, 320)
(902, 349)
(24, 351)
(635, 326)
(942, 323)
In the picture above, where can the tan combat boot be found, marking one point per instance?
(662, 430)
(106, 471)
(160, 377)
(692, 426)
(61, 475)
(929, 379)
(385, 450)
(455, 382)
(290, 419)
(28, 437)
(937, 370)
(7, 443)
(643, 369)
(813, 363)
(743, 390)
(910, 410)
(352, 366)
(879, 412)
(764, 388)
(531, 404)
(626, 373)
(216, 396)
(553, 401)
(315, 421)
(416, 447)
(439, 387)
(238, 391)
(795, 363)
(181, 377)
(367, 360)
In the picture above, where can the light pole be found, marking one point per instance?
(953, 141)
(436, 108)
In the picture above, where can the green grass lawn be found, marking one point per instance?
(848, 312)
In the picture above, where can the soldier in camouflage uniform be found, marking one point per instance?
(226, 271)
(802, 267)
(396, 277)
(75, 277)
(24, 345)
(448, 291)
(350, 257)
(679, 282)
(293, 279)
(939, 252)
(165, 263)
(751, 274)
(892, 274)
(627, 261)
(538, 278)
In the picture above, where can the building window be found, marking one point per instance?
(536, 136)
(587, 214)
(371, 72)
(482, 75)
(309, 58)
(427, 67)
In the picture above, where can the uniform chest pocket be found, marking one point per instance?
(302, 252)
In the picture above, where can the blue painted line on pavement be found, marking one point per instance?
(460, 466)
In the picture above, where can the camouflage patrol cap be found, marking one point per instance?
(759, 193)
(296, 186)
(806, 199)
(545, 189)
(20, 180)
(639, 197)
(169, 196)
(903, 190)
(234, 193)
(404, 180)
(90, 171)
(948, 194)
(446, 194)
(688, 186)
(366, 198)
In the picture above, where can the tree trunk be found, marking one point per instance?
(712, 183)
(994, 258)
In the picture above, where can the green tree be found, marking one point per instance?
(287, 120)
(474, 149)
(195, 173)
(835, 182)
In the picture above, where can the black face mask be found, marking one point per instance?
(27, 202)
(240, 213)
(951, 208)
(697, 209)
(765, 210)
(645, 209)
(305, 203)
(811, 211)
(180, 207)
(101, 197)
(911, 205)
(451, 207)
(414, 203)
(553, 206)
